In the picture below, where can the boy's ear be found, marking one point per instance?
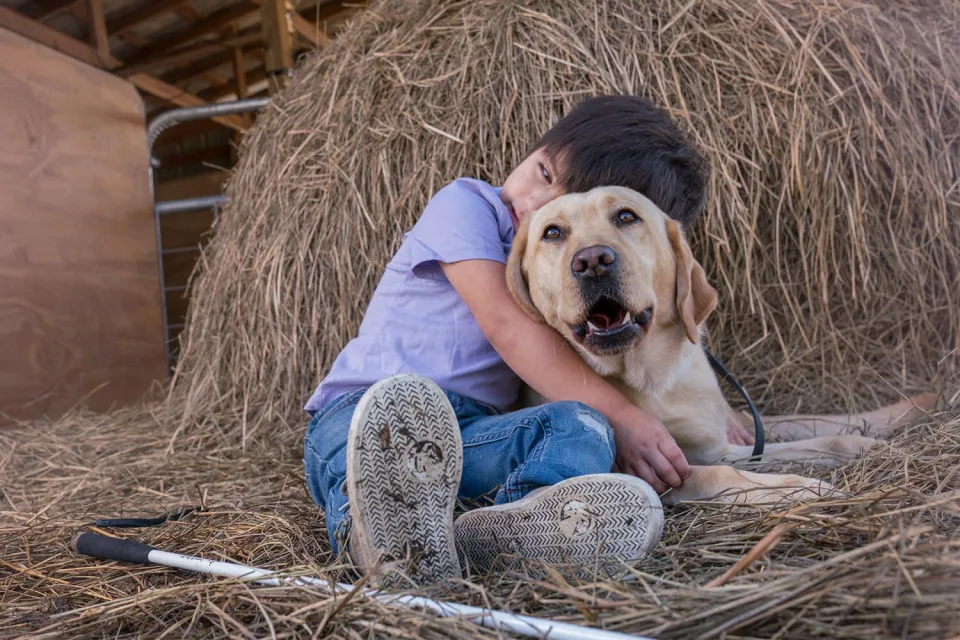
(516, 281)
(696, 299)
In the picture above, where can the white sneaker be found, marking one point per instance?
(404, 461)
(600, 520)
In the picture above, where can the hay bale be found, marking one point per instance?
(831, 231)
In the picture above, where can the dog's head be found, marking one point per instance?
(607, 268)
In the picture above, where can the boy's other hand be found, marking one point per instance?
(645, 449)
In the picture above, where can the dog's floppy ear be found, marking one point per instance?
(696, 299)
(516, 282)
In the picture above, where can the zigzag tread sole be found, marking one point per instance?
(604, 519)
(404, 462)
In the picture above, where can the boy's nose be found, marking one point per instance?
(593, 261)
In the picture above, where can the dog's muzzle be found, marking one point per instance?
(609, 326)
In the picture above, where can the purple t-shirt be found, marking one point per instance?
(417, 322)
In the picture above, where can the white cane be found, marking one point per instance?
(107, 548)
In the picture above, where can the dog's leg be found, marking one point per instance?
(825, 451)
(730, 485)
(880, 422)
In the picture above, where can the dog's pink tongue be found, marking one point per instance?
(600, 321)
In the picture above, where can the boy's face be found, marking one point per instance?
(530, 186)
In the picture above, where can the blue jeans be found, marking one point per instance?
(510, 453)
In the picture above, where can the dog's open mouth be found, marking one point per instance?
(609, 326)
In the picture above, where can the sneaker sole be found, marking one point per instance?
(602, 520)
(404, 462)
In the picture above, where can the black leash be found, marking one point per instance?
(724, 373)
(142, 522)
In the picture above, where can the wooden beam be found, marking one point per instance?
(46, 9)
(199, 67)
(275, 16)
(303, 27)
(174, 95)
(148, 12)
(216, 20)
(98, 28)
(213, 94)
(10, 19)
(191, 53)
(239, 74)
(309, 31)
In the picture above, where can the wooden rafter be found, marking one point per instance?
(43, 34)
(189, 54)
(199, 67)
(305, 28)
(54, 39)
(239, 74)
(175, 95)
(213, 94)
(213, 22)
(98, 28)
(46, 9)
(278, 37)
(137, 17)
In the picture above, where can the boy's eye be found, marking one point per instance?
(625, 216)
(546, 174)
(552, 233)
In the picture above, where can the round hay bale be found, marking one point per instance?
(831, 231)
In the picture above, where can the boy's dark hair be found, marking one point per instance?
(628, 141)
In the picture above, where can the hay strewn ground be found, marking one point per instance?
(832, 128)
(883, 562)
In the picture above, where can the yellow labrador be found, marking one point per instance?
(615, 277)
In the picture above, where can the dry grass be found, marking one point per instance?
(831, 127)
(881, 561)
(832, 130)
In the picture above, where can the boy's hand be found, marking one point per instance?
(645, 449)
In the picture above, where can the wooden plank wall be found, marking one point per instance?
(80, 315)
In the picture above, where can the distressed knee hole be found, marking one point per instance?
(597, 425)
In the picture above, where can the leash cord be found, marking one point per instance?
(142, 522)
(723, 372)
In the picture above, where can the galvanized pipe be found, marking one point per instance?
(189, 204)
(173, 117)
(157, 126)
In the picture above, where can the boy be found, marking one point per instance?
(400, 448)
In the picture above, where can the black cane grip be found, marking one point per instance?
(99, 546)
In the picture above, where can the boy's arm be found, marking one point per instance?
(644, 448)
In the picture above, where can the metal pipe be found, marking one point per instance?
(157, 126)
(189, 204)
(170, 118)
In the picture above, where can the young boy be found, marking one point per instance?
(387, 454)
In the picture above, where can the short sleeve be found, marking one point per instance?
(459, 223)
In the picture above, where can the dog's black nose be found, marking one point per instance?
(593, 261)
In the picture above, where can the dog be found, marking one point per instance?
(616, 278)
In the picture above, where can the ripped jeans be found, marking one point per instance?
(506, 455)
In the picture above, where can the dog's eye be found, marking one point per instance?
(552, 233)
(626, 217)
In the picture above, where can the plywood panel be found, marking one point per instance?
(80, 313)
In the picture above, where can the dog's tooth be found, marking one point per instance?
(626, 318)
(592, 326)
